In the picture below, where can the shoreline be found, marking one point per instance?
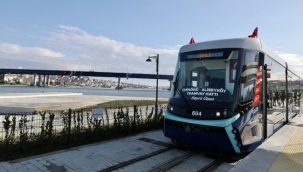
(7, 85)
(164, 88)
(58, 101)
(42, 94)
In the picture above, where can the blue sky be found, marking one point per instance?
(117, 35)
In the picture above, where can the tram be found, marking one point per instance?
(217, 97)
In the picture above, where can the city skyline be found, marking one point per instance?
(118, 36)
(66, 80)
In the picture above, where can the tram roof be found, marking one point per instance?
(245, 43)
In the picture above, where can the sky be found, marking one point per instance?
(119, 35)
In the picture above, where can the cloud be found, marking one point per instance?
(17, 50)
(72, 29)
(105, 54)
(71, 48)
(11, 29)
(293, 60)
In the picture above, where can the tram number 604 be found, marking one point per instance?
(196, 113)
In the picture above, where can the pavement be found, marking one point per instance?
(95, 157)
(281, 152)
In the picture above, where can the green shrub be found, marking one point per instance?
(84, 129)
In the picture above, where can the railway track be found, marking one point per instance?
(174, 158)
(126, 163)
(214, 164)
(173, 163)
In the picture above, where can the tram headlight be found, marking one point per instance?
(218, 114)
(171, 108)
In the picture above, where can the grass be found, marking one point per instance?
(123, 103)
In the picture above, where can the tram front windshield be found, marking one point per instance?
(206, 75)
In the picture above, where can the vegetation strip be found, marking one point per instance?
(27, 134)
(124, 104)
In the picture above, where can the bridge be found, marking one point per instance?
(118, 75)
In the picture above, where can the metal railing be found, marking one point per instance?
(58, 122)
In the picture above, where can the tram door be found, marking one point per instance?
(276, 95)
(293, 88)
(276, 105)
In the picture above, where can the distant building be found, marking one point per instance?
(2, 78)
(10, 78)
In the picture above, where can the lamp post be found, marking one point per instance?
(157, 70)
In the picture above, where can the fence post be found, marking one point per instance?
(135, 110)
(69, 127)
(264, 99)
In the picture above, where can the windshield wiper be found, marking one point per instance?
(188, 108)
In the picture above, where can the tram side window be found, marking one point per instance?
(248, 76)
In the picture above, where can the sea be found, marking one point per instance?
(126, 92)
